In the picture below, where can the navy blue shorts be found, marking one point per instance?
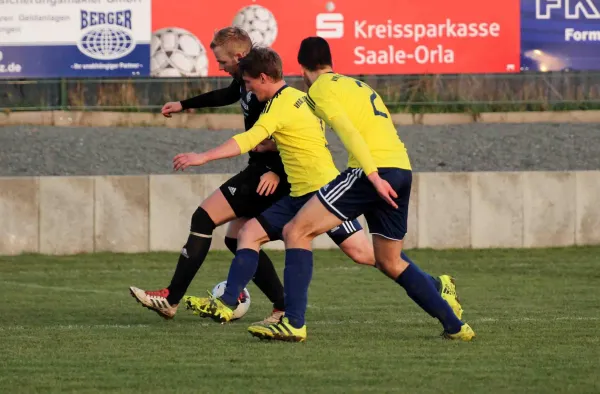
(283, 211)
(351, 194)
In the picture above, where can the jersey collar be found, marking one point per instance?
(320, 75)
(280, 90)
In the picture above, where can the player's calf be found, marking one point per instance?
(245, 263)
(192, 255)
(417, 285)
(265, 278)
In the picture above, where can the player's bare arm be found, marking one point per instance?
(235, 146)
(228, 149)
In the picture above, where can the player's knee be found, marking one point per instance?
(392, 266)
(202, 223)
(290, 232)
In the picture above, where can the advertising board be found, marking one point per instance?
(560, 35)
(374, 37)
(74, 38)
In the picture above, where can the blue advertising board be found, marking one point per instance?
(91, 38)
(558, 35)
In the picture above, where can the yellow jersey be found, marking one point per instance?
(350, 106)
(300, 139)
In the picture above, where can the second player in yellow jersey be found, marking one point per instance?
(377, 185)
(332, 95)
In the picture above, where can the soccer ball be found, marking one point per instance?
(259, 22)
(176, 52)
(243, 299)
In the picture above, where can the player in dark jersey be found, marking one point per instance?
(244, 196)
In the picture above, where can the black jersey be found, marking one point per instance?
(251, 108)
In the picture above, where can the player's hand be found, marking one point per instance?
(171, 107)
(185, 160)
(268, 183)
(384, 189)
(267, 145)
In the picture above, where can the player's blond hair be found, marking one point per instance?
(233, 39)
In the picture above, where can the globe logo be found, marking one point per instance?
(106, 42)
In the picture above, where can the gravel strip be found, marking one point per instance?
(41, 150)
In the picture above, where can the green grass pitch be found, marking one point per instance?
(68, 324)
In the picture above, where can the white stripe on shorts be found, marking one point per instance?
(332, 207)
(344, 186)
(345, 189)
(340, 185)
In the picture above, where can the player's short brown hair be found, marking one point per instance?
(234, 39)
(262, 61)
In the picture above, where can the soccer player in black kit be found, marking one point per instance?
(246, 195)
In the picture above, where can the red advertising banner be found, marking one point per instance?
(373, 37)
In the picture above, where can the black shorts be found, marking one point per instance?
(351, 194)
(240, 192)
(283, 211)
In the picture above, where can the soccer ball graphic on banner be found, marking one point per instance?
(243, 299)
(175, 52)
(259, 22)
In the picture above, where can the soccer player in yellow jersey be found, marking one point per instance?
(377, 184)
(300, 138)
